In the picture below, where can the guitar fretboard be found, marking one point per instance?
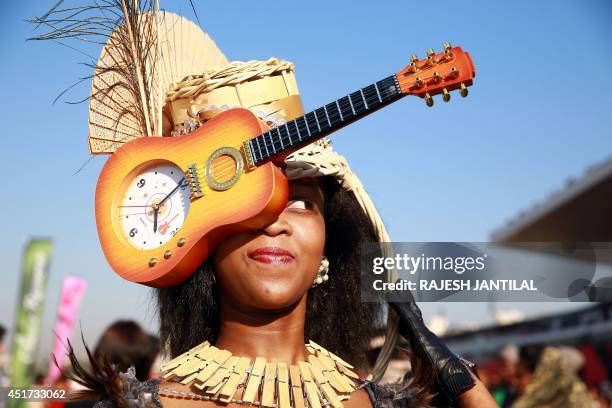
(324, 120)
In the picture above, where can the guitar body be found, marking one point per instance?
(255, 199)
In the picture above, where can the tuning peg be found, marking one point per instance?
(445, 95)
(413, 63)
(448, 51)
(419, 82)
(430, 56)
(428, 99)
(454, 72)
(464, 90)
(437, 77)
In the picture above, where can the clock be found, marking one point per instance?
(154, 206)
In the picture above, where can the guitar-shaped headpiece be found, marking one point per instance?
(164, 203)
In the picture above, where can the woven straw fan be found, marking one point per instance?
(170, 48)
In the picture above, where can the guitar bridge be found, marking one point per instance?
(248, 155)
(195, 188)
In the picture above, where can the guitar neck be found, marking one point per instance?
(314, 125)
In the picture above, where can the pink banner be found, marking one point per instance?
(72, 293)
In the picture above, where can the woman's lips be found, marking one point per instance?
(271, 255)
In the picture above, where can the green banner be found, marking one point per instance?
(30, 308)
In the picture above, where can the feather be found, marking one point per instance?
(126, 69)
(102, 380)
(139, 61)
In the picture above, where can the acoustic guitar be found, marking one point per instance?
(164, 203)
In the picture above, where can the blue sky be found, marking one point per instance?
(538, 113)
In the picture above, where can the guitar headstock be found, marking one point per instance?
(439, 73)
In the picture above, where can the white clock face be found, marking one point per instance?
(155, 206)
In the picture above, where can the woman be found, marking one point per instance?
(237, 328)
(257, 296)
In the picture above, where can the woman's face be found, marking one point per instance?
(273, 267)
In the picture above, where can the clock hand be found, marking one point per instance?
(179, 185)
(155, 211)
(158, 205)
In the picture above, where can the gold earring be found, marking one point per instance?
(322, 273)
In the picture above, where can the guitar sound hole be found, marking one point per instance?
(223, 168)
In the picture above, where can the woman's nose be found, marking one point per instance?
(280, 225)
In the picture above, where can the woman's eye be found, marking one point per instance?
(300, 204)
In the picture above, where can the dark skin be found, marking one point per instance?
(263, 304)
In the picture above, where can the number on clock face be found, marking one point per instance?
(154, 206)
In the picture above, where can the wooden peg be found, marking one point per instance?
(339, 360)
(189, 378)
(267, 394)
(324, 386)
(214, 390)
(176, 361)
(347, 384)
(222, 372)
(188, 367)
(311, 389)
(316, 346)
(317, 374)
(328, 367)
(255, 378)
(235, 377)
(331, 395)
(200, 356)
(189, 362)
(284, 400)
(296, 387)
(217, 360)
(344, 370)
